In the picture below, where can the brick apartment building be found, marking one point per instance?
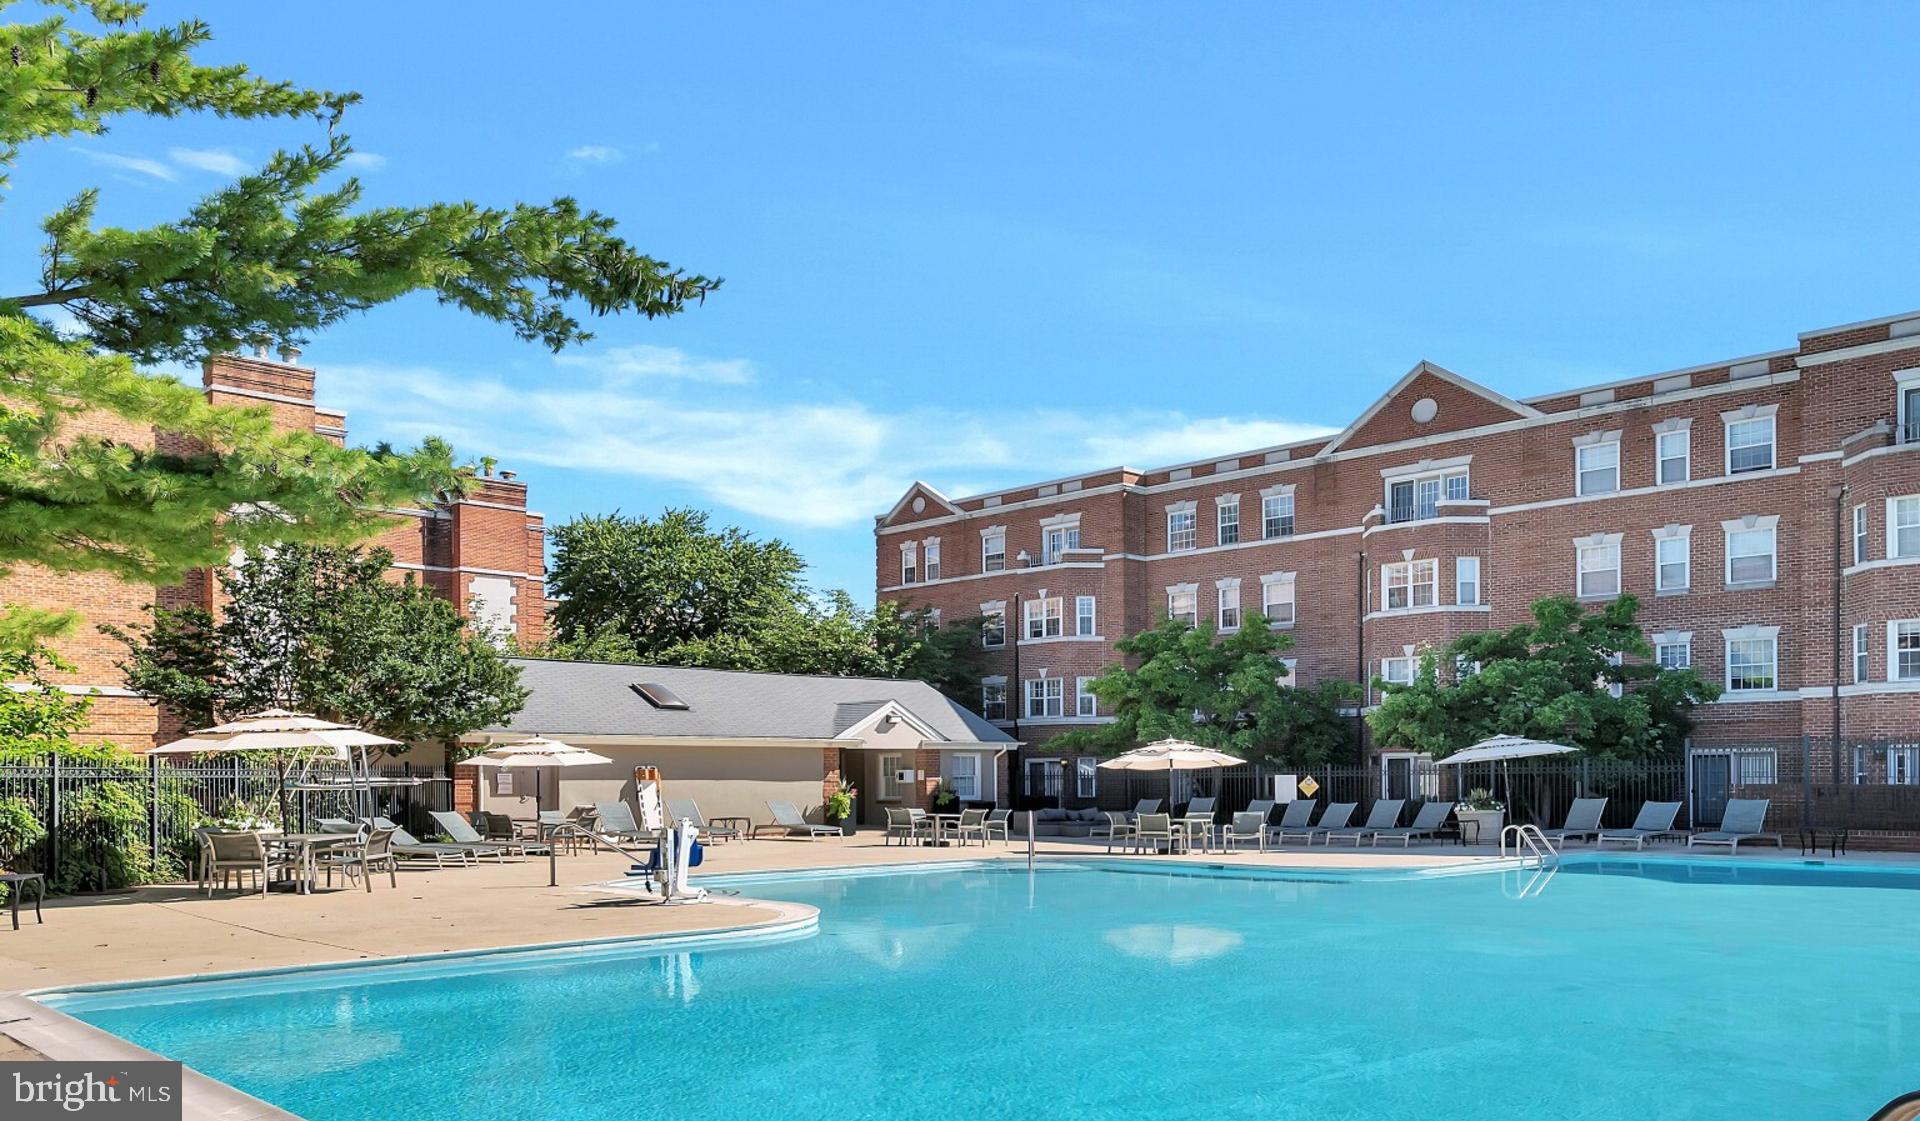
(485, 551)
(1711, 493)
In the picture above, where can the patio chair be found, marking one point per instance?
(903, 823)
(1427, 822)
(1294, 820)
(973, 823)
(233, 854)
(614, 820)
(1001, 822)
(408, 847)
(1654, 822)
(1247, 825)
(463, 833)
(787, 816)
(492, 826)
(1385, 813)
(1583, 820)
(371, 855)
(686, 809)
(1143, 806)
(1155, 828)
(1743, 821)
(1117, 828)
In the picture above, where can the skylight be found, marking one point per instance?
(659, 696)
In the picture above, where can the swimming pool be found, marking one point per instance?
(1621, 990)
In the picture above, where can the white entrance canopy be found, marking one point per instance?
(1499, 749)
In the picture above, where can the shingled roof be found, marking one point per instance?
(598, 699)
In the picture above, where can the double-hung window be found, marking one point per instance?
(1860, 534)
(993, 625)
(1183, 603)
(1750, 438)
(1903, 764)
(933, 558)
(1399, 671)
(1276, 513)
(1903, 526)
(1673, 559)
(1044, 697)
(1227, 613)
(1909, 407)
(1084, 617)
(1466, 581)
(1753, 660)
(1673, 651)
(1226, 510)
(993, 550)
(1182, 534)
(1084, 702)
(1086, 776)
(910, 562)
(1043, 616)
(1903, 650)
(1673, 453)
(993, 698)
(1057, 539)
(1409, 584)
(1862, 650)
(1753, 551)
(1597, 463)
(1597, 560)
(1277, 599)
(963, 774)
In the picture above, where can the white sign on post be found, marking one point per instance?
(1285, 788)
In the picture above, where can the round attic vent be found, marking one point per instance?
(1425, 409)
(919, 504)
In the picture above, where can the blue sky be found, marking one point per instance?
(994, 243)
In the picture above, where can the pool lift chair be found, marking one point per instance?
(676, 849)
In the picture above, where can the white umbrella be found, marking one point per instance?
(1502, 749)
(1170, 755)
(536, 752)
(279, 729)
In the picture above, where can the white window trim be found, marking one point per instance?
(1029, 693)
(1184, 589)
(1408, 654)
(930, 560)
(1672, 638)
(1415, 474)
(1684, 426)
(1893, 531)
(1893, 655)
(1861, 653)
(1221, 590)
(1599, 541)
(1280, 579)
(1672, 533)
(1750, 634)
(1386, 584)
(1479, 582)
(1081, 696)
(990, 609)
(1904, 381)
(1745, 413)
(1190, 509)
(1284, 490)
(1598, 440)
(988, 534)
(1860, 531)
(1093, 623)
(1221, 502)
(1750, 523)
(1086, 776)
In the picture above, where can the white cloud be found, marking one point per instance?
(829, 464)
(641, 362)
(366, 161)
(217, 160)
(137, 164)
(596, 153)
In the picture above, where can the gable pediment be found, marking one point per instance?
(1429, 401)
(921, 501)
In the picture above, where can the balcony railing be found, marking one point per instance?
(1412, 512)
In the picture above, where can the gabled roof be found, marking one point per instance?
(1430, 374)
(920, 490)
(597, 699)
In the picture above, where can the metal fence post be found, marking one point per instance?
(53, 815)
(153, 806)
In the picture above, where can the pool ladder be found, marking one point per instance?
(1530, 845)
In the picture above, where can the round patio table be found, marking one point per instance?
(303, 847)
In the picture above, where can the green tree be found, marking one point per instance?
(322, 629)
(1226, 691)
(1552, 678)
(279, 254)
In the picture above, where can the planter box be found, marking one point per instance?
(1490, 821)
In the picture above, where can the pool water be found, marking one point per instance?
(1620, 991)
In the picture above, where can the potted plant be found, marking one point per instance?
(1482, 807)
(946, 800)
(839, 809)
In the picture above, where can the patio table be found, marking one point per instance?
(743, 826)
(942, 824)
(302, 847)
(14, 882)
(1201, 825)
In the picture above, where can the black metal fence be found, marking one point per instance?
(175, 799)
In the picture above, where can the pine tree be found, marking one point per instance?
(279, 254)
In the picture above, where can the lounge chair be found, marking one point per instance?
(1654, 822)
(1384, 814)
(686, 809)
(906, 824)
(1263, 807)
(1427, 822)
(1142, 807)
(1247, 825)
(1154, 828)
(614, 820)
(1336, 816)
(463, 833)
(1117, 829)
(1295, 818)
(408, 847)
(787, 816)
(1743, 821)
(1583, 820)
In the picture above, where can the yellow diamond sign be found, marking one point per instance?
(1309, 787)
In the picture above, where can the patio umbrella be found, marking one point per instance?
(1170, 755)
(1503, 749)
(279, 729)
(537, 751)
